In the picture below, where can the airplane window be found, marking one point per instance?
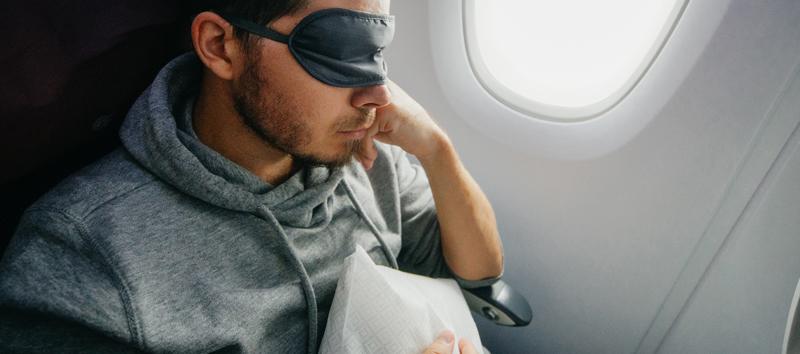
(565, 60)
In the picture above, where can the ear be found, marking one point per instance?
(216, 45)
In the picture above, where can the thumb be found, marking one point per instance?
(443, 344)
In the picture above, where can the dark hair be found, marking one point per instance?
(258, 11)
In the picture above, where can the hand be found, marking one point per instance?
(404, 123)
(444, 345)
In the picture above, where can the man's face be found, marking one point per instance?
(297, 114)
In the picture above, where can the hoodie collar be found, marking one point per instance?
(158, 133)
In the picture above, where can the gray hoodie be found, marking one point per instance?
(166, 246)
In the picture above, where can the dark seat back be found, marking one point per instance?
(71, 70)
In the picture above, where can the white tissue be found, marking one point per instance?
(381, 310)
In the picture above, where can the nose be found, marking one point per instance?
(375, 96)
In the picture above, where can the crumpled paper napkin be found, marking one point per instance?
(377, 309)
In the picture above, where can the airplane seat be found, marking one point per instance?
(72, 71)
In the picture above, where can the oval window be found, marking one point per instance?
(565, 60)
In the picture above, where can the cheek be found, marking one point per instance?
(318, 105)
(324, 109)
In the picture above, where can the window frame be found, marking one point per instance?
(466, 100)
(552, 112)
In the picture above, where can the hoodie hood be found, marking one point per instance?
(158, 133)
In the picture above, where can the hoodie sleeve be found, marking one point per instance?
(421, 250)
(57, 294)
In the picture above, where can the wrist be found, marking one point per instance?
(440, 144)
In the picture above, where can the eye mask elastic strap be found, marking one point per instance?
(256, 29)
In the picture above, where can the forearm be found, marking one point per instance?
(470, 241)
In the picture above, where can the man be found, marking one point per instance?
(223, 221)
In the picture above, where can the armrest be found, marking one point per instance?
(500, 304)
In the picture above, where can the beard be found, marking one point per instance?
(278, 120)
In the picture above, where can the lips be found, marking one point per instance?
(354, 134)
(354, 130)
(366, 119)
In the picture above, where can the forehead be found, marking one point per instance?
(371, 6)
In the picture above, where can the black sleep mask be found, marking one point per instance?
(339, 47)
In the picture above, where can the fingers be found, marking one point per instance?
(466, 347)
(443, 344)
(367, 153)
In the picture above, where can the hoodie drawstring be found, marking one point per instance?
(386, 251)
(311, 298)
(305, 280)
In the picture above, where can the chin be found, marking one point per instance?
(327, 161)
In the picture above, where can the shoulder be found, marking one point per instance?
(391, 177)
(383, 171)
(114, 176)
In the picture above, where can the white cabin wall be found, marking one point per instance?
(596, 245)
(742, 304)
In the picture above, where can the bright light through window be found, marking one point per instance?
(565, 58)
